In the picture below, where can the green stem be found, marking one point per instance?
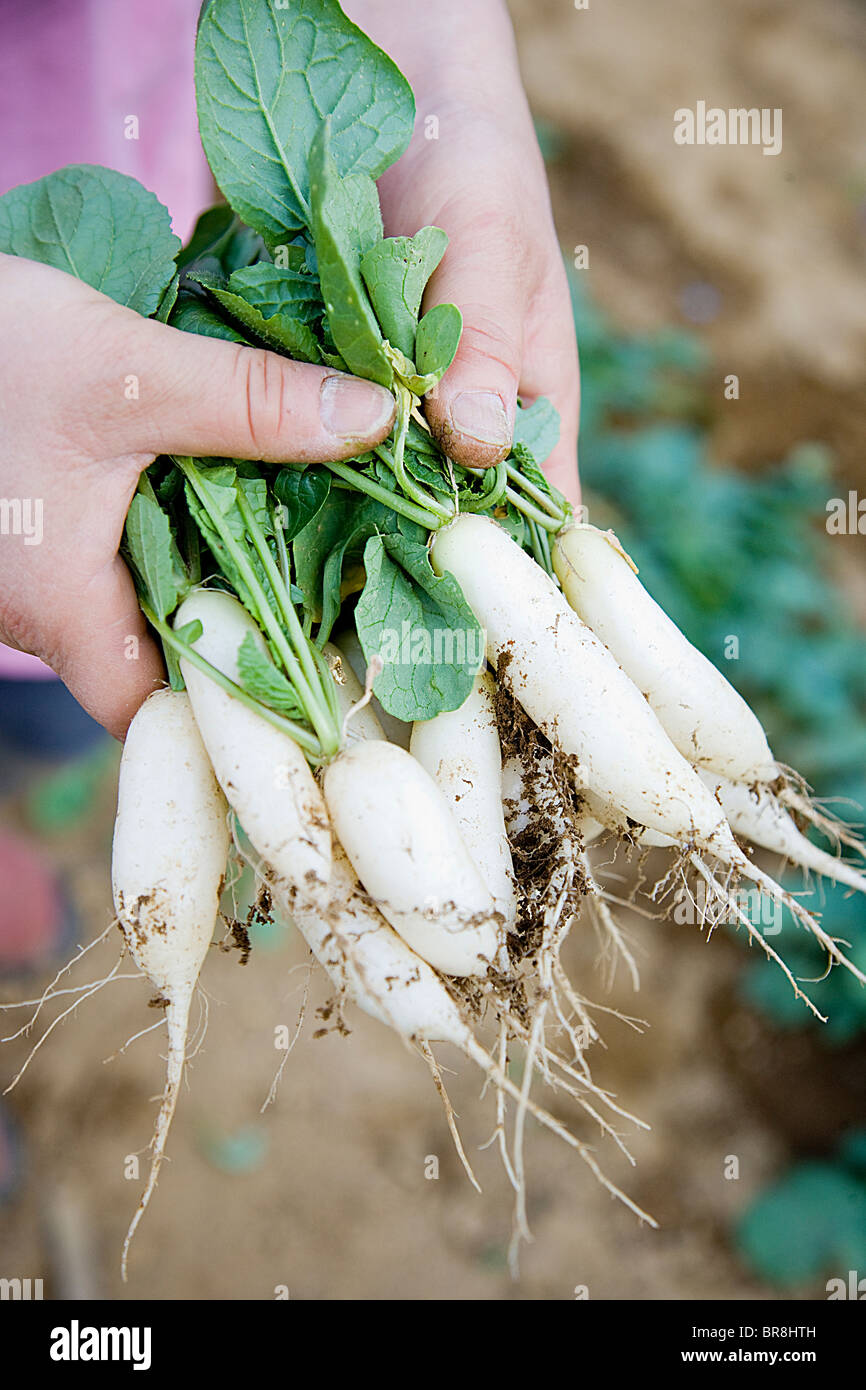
(359, 483)
(301, 736)
(534, 530)
(540, 546)
(267, 619)
(492, 496)
(536, 493)
(532, 512)
(280, 535)
(544, 538)
(311, 692)
(280, 590)
(396, 463)
(192, 548)
(328, 686)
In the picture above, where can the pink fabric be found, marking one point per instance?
(71, 72)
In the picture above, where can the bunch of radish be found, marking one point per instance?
(422, 820)
(395, 865)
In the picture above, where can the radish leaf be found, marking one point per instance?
(279, 329)
(395, 272)
(266, 75)
(537, 427)
(265, 681)
(98, 225)
(301, 493)
(421, 626)
(351, 320)
(152, 552)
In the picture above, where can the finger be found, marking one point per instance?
(472, 410)
(193, 395)
(551, 369)
(96, 640)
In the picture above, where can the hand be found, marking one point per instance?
(90, 394)
(483, 181)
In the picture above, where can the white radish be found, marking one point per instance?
(572, 687)
(704, 716)
(516, 799)
(363, 722)
(399, 834)
(171, 841)
(367, 958)
(396, 730)
(756, 815)
(592, 825)
(461, 751)
(261, 769)
(377, 969)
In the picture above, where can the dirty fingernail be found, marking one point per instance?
(481, 415)
(352, 408)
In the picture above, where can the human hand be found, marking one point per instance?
(483, 181)
(90, 394)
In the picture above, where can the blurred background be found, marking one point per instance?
(699, 264)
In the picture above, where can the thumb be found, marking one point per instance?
(200, 396)
(472, 410)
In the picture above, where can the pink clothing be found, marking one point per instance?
(73, 75)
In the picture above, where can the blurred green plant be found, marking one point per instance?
(812, 1221)
(737, 556)
(733, 555)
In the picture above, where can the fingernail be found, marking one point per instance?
(351, 408)
(480, 415)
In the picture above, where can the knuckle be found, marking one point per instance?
(486, 340)
(261, 384)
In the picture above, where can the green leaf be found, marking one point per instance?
(363, 197)
(512, 521)
(255, 491)
(367, 520)
(211, 227)
(395, 272)
(421, 441)
(193, 314)
(100, 226)
(301, 493)
(278, 292)
(437, 341)
(152, 551)
(428, 471)
(537, 426)
(528, 467)
(421, 626)
(169, 298)
(265, 681)
(267, 74)
(218, 483)
(344, 522)
(351, 320)
(279, 331)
